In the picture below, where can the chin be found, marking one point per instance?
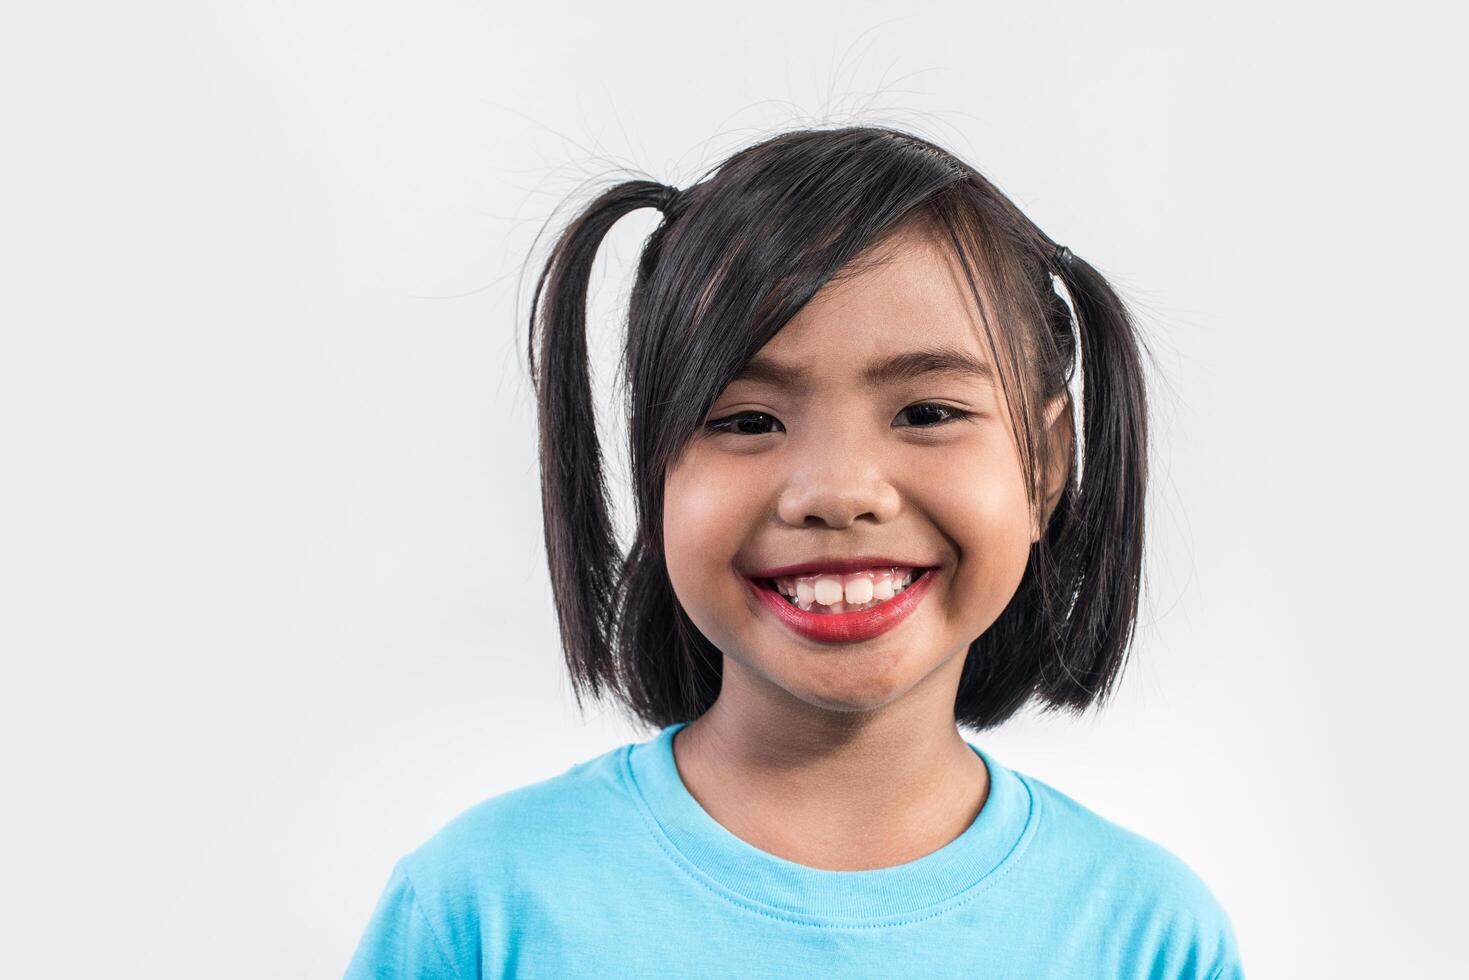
(849, 681)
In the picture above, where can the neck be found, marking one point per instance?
(843, 790)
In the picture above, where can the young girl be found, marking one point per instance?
(864, 519)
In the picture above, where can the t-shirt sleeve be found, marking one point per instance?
(1194, 937)
(400, 941)
(1217, 947)
(1228, 968)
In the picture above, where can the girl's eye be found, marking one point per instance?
(736, 424)
(949, 413)
(730, 422)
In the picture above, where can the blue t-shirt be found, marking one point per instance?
(613, 869)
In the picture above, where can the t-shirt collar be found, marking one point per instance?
(744, 873)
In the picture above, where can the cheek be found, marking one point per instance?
(705, 520)
(982, 505)
(702, 520)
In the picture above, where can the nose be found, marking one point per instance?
(837, 483)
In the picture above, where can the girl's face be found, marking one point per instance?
(838, 461)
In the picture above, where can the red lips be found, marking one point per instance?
(847, 627)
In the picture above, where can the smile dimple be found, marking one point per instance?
(852, 592)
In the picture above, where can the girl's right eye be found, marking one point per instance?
(731, 423)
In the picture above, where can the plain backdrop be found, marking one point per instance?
(272, 584)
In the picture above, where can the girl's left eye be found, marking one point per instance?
(951, 414)
(730, 422)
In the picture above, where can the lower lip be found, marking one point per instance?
(847, 627)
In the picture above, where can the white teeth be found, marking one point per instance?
(858, 589)
(845, 593)
(828, 590)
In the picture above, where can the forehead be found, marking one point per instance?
(903, 311)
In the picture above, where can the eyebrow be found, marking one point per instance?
(905, 366)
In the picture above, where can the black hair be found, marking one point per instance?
(736, 256)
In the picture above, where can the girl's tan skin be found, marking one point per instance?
(848, 757)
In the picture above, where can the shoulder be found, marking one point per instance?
(1124, 859)
(459, 888)
(1141, 885)
(486, 839)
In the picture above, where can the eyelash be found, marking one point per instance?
(727, 423)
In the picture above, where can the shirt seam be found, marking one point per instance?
(1028, 833)
(428, 924)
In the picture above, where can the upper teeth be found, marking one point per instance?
(829, 588)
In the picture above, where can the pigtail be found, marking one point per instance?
(1094, 547)
(581, 545)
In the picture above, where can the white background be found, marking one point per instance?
(272, 587)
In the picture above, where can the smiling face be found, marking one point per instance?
(814, 454)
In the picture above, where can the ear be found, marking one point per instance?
(1057, 444)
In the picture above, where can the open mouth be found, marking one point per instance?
(834, 594)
